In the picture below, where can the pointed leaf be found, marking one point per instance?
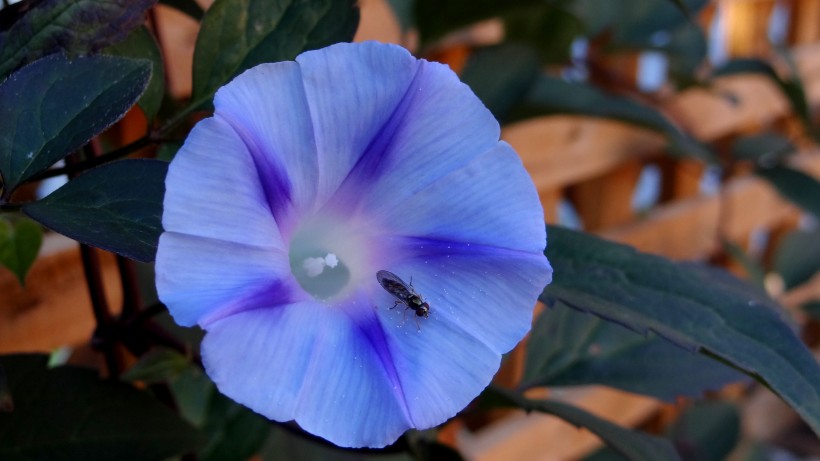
(116, 207)
(234, 432)
(552, 95)
(54, 106)
(765, 149)
(501, 75)
(797, 258)
(568, 347)
(634, 446)
(695, 307)
(159, 364)
(140, 44)
(20, 241)
(70, 413)
(51, 26)
(797, 187)
(239, 34)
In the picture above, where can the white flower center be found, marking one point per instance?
(328, 257)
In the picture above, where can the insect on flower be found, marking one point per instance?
(404, 293)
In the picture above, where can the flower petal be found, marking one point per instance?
(490, 201)
(440, 369)
(485, 292)
(481, 301)
(224, 199)
(266, 105)
(199, 277)
(444, 126)
(411, 128)
(310, 363)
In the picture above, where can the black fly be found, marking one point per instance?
(404, 293)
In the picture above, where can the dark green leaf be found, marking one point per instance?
(403, 9)
(797, 258)
(693, 306)
(641, 23)
(189, 7)
(435, 18)
(192, 391)
(794, 185)
(73, 27)
(239, 34)
(791, 87)
(116, 207)
(568, 347)
(551, 95)
(707, 431)
(168, 150)
(54, 106)
(20, 241)
(234, 432)
(548, 29)
(687, 51)
(159, 364)
(70, 413)
(765, 149)
(140, 44)
(289, 444)
(501, 75)
(634, 446)
(684, 9)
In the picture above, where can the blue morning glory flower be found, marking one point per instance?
(312, 177)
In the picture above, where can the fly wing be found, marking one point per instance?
(393, 284)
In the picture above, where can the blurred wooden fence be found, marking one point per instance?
(592, 163)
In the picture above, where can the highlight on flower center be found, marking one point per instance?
(311, 177)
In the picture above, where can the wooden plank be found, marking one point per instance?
(746, 26)
(563, 150)
(607, 201)
(689, 229)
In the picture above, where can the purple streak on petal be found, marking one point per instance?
(306, 362)
(446, 127)
(351, 90)
(371, 328)
(275, 295)
(268, 106)
(272, 176)
(490, 201)
(376, 157)
(441, 368)
(222, 192)
(488, 292)
(198, 276)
